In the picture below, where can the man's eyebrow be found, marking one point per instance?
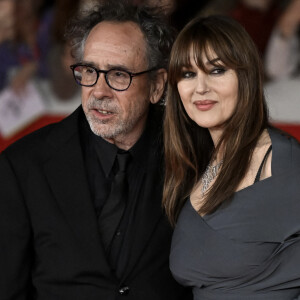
(108, 67)
(118, 66)
(88, 63)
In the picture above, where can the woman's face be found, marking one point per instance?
(208, 98)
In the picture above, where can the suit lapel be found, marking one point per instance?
(65, 172)
(66, 175)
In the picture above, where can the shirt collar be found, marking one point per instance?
(107, 152)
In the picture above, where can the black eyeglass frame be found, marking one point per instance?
(105, 72)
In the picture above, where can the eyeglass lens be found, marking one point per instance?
(87, 76)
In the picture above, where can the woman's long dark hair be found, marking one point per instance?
(189, 147)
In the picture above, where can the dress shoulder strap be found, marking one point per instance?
(257, 177)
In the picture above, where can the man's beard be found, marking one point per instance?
(109, 129)
(105, 129)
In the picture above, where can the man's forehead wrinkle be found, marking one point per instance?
(106, 51)
(108, 65)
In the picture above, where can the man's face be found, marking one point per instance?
(117, 116)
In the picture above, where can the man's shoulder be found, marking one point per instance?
(43, 140)
(157, 111)
(155, 120)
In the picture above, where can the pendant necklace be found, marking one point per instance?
(209, 175)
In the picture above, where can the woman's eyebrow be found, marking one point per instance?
(212, 61)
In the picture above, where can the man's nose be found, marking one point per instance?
(101, 88)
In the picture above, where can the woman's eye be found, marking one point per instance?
(188, 74)
(218, 71)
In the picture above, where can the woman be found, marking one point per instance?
(232, 182)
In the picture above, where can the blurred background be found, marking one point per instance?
(36, 84)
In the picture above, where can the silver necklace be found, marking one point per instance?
(209, 175)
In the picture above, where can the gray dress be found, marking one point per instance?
(249, 248)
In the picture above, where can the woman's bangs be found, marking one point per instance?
(180, 58)
(202, 52)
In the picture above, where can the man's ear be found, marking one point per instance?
(158, 86)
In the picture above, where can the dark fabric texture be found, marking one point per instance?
(50, 245)
(250, 247)
(100, 160)
(113, 210)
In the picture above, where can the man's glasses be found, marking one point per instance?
(116, 79)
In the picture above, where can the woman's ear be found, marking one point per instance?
(158, 86)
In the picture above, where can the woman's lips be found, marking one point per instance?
(204, 105)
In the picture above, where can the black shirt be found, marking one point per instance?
(100, 156)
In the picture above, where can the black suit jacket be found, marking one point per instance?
(50, 247)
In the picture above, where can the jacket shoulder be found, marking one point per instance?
(286, 150)
(42, 141)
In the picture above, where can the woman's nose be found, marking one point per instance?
(202, 86)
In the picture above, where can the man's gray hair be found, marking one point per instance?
(159, 36)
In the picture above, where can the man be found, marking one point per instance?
(64, 233)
